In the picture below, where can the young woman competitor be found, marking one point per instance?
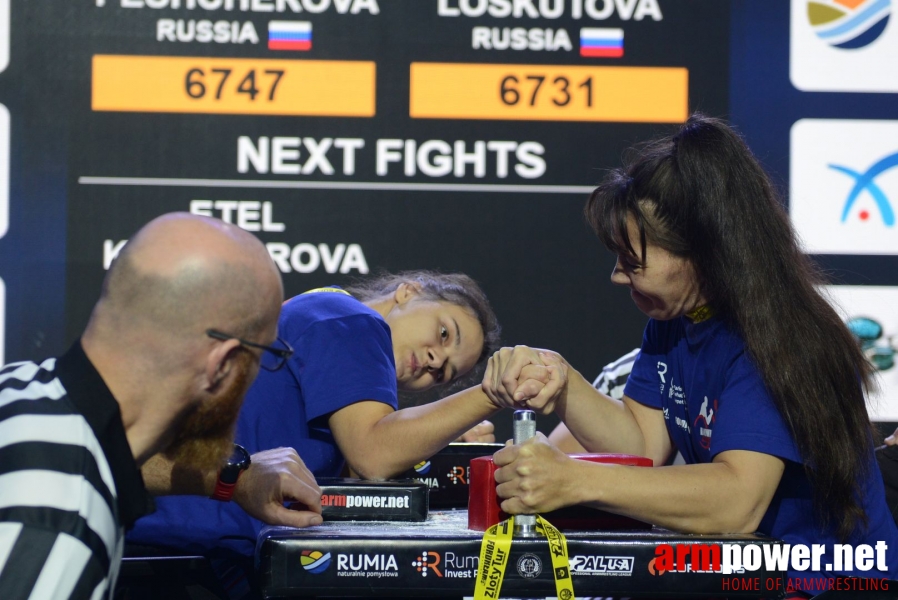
(335, 399)
(744, 368)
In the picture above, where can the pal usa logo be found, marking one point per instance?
(843, 189)
(843, 46)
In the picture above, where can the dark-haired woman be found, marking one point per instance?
(744, 368)
(336, 398)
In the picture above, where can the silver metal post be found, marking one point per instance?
(524, 429)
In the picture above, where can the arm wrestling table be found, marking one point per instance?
(439, 557)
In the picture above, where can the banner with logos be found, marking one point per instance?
(843, 165)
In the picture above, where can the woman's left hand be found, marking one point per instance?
(533, 477)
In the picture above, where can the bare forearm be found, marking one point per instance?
(162, 478)
(598, 422)
(405, 437)
(706, 498)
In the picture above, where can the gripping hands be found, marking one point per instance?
(523, 377)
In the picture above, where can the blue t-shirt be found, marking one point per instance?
(343, 354)
(713, 400)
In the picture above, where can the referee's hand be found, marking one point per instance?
(276, 477)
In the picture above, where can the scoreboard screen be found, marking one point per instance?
(356, 137)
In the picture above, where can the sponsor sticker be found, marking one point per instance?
(861, 305)
(529, 566)
(593, 565)
(843, 46)
(843, 189)
(386, 502)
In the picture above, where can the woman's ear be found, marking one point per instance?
(406, 291)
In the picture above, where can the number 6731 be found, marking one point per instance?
(532, 90)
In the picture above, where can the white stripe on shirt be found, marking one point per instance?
(57, 429)
(100, 590)
(605, 382)
(26, 371)
(62, 569)
(33, 391)
(64, 492)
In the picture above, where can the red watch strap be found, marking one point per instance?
(223, 491)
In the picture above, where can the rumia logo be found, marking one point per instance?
(314, 561)
(849, 24)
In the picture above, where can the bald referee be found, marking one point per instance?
(145, 377)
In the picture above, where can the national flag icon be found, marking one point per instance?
(289, 35)
(602, 42)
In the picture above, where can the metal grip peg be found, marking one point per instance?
(524, 429)
(524, 425)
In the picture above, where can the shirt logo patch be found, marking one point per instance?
(704, 421)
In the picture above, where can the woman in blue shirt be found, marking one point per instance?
(335, 400)
(744, 368)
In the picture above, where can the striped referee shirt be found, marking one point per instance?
(613, 378)
(68, 481)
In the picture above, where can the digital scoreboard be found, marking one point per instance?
(358, 136)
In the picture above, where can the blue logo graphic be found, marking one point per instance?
(315, 561)
(865, 182)
(422, 467)
(849, 23)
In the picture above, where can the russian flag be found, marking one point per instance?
(604, 42)
(289, 35)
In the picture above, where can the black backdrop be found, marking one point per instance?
(82, 181)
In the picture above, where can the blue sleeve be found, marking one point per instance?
(746, 417)
(644, 382)
(340, 361)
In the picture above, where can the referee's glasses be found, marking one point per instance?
(273, 357)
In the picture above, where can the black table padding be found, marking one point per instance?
(439, 558)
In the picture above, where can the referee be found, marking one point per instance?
(145, 377)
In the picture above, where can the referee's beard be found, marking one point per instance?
(206, 437)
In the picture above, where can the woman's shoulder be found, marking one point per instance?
(324, 303)
(329, 314)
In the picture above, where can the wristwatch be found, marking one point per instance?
(230, 473)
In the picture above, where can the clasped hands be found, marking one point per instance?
(534, 476)
(524, 377)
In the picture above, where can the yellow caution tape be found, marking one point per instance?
(493, 559)
(561, 565)
(496, 547)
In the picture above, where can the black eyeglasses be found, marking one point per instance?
(273, 358)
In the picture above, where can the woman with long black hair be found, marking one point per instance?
(744, 368)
